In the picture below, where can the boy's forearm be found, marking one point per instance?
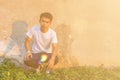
(54, 51)
(27, 45)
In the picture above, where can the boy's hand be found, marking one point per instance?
(28, 56)
(51, 63)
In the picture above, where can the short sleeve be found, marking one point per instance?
(30, 33)
(54, 38)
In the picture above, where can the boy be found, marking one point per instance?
(42, 37)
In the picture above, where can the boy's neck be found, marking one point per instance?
(44, 30)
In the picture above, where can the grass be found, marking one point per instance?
(8, 71)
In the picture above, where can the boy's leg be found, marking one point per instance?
(49, 57)
(55, 62)
(33, 62)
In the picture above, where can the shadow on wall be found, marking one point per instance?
(17, 36)
(65, 41)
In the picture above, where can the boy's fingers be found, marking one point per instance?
(31, 56)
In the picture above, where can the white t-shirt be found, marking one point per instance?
(41, 42)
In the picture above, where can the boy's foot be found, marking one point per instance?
(37, 70)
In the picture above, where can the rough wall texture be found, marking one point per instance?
(87, 29)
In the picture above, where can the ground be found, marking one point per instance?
(9, 71)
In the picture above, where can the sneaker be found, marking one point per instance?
(1, 60)
(47, 72)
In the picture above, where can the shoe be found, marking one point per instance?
(47, 72)
(1, 60)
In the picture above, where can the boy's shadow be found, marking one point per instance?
(17, 37)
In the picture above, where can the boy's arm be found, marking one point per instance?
(27, 47)
(54, 50)
(54, 54)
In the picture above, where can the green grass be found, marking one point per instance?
(8, 71)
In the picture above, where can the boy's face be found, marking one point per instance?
(45, 22)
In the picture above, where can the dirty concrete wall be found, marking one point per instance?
(94, 25)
